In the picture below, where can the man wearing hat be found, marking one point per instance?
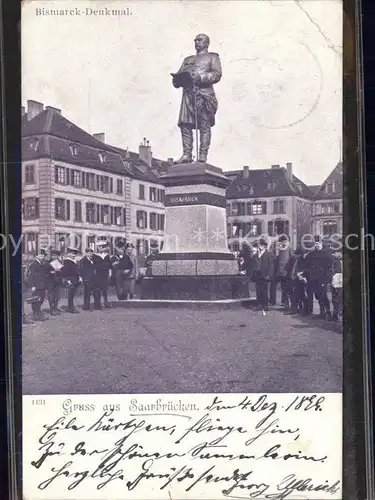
(154, 250)
(87, 270)
(103, 267)
(54, 278)
(263, 274)
(282, 257)
(124, 270)
(71, 275)
(36, 281)
(319, 274)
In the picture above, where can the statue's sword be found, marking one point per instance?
(195, 89)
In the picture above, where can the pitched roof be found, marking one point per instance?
(56, 134)
(335, 176)
(265, 183)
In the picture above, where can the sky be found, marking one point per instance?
(280, 96)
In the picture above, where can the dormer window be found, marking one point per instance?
(103, 158)
(33, 144)
(271, 186)
(330, 187)
(74, 150)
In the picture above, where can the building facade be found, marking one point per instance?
(77, 190)
(328, 205)
(268, 203)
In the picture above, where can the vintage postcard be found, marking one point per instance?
(182, 249)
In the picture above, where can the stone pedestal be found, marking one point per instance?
(195, 243)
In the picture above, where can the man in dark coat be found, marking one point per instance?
(283, 254)
(71, 275)
(36, 281)
(319, 274)
(337, 297)
(54, 281)
(103, 267)
(87, 270)
(263, 275)
(124, 268)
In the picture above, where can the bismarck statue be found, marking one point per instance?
(197, 76)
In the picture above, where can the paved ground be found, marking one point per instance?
(167, 350)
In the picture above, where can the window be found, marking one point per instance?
(257, 208)
(330, 228)
(74, 150)
(33, 144)
(119, 188)
(141, 195)
(278, 227)
(30, 243)
(91, 213)
(91, 242)
(102, 158)
(117, 216)
(62, 209)
(330, 187)
(30, 174)
(141, 219)
(253, 228)
(271, 186)
(77, 179)
(160, 194)
(90, 182)
(105, 214)
(153, 221)
(318, 209)
(60, 175)
(153, 194)
(238, 229)
(279, 207)
(238, 208)
(78, 211)
(62, 240)
(31, 208)
(104, 184)
(160, 222)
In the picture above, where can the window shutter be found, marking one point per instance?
(98, 212)
(287, 227)
(67, 210)
(270, 228)
(56, 174)
(111, 185)
(111, 210)
(162, 221)
(124, 216)
(264, 207)
(259, 228)
(37, 208)
(145, 219)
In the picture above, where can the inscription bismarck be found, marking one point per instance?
(183, 199)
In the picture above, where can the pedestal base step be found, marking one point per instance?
(186, 304)
(207, 288)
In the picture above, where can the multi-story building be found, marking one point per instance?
(269, 203)
(328, 205)
(76, 189)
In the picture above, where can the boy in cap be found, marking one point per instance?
(53, 272)
(70, 273)
(263, 275)
(87, 270)
(36, 281)
(103, 267)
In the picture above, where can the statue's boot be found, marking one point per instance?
(205, 141)
(187, 145)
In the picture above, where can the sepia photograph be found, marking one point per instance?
(182, 197)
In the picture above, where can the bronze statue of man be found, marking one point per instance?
(197, 76)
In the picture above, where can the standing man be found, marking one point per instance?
(36, 280)
(103, 268)
(71, 275)
(154, 250)
(124, 269)
(283, 254)
(319, 270)
(54, 278)
(263, 275)
(197, 76)
(87, 270)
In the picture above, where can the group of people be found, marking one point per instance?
(304, 274)
(50, 271)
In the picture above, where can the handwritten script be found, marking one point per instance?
(188, 446)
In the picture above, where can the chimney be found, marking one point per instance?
(289, 171)
(100, 137)
(23, 111)
(145, 153)
(57, 110)
(246, 172)
(170, 161)
(34, 108)
(274, 167)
